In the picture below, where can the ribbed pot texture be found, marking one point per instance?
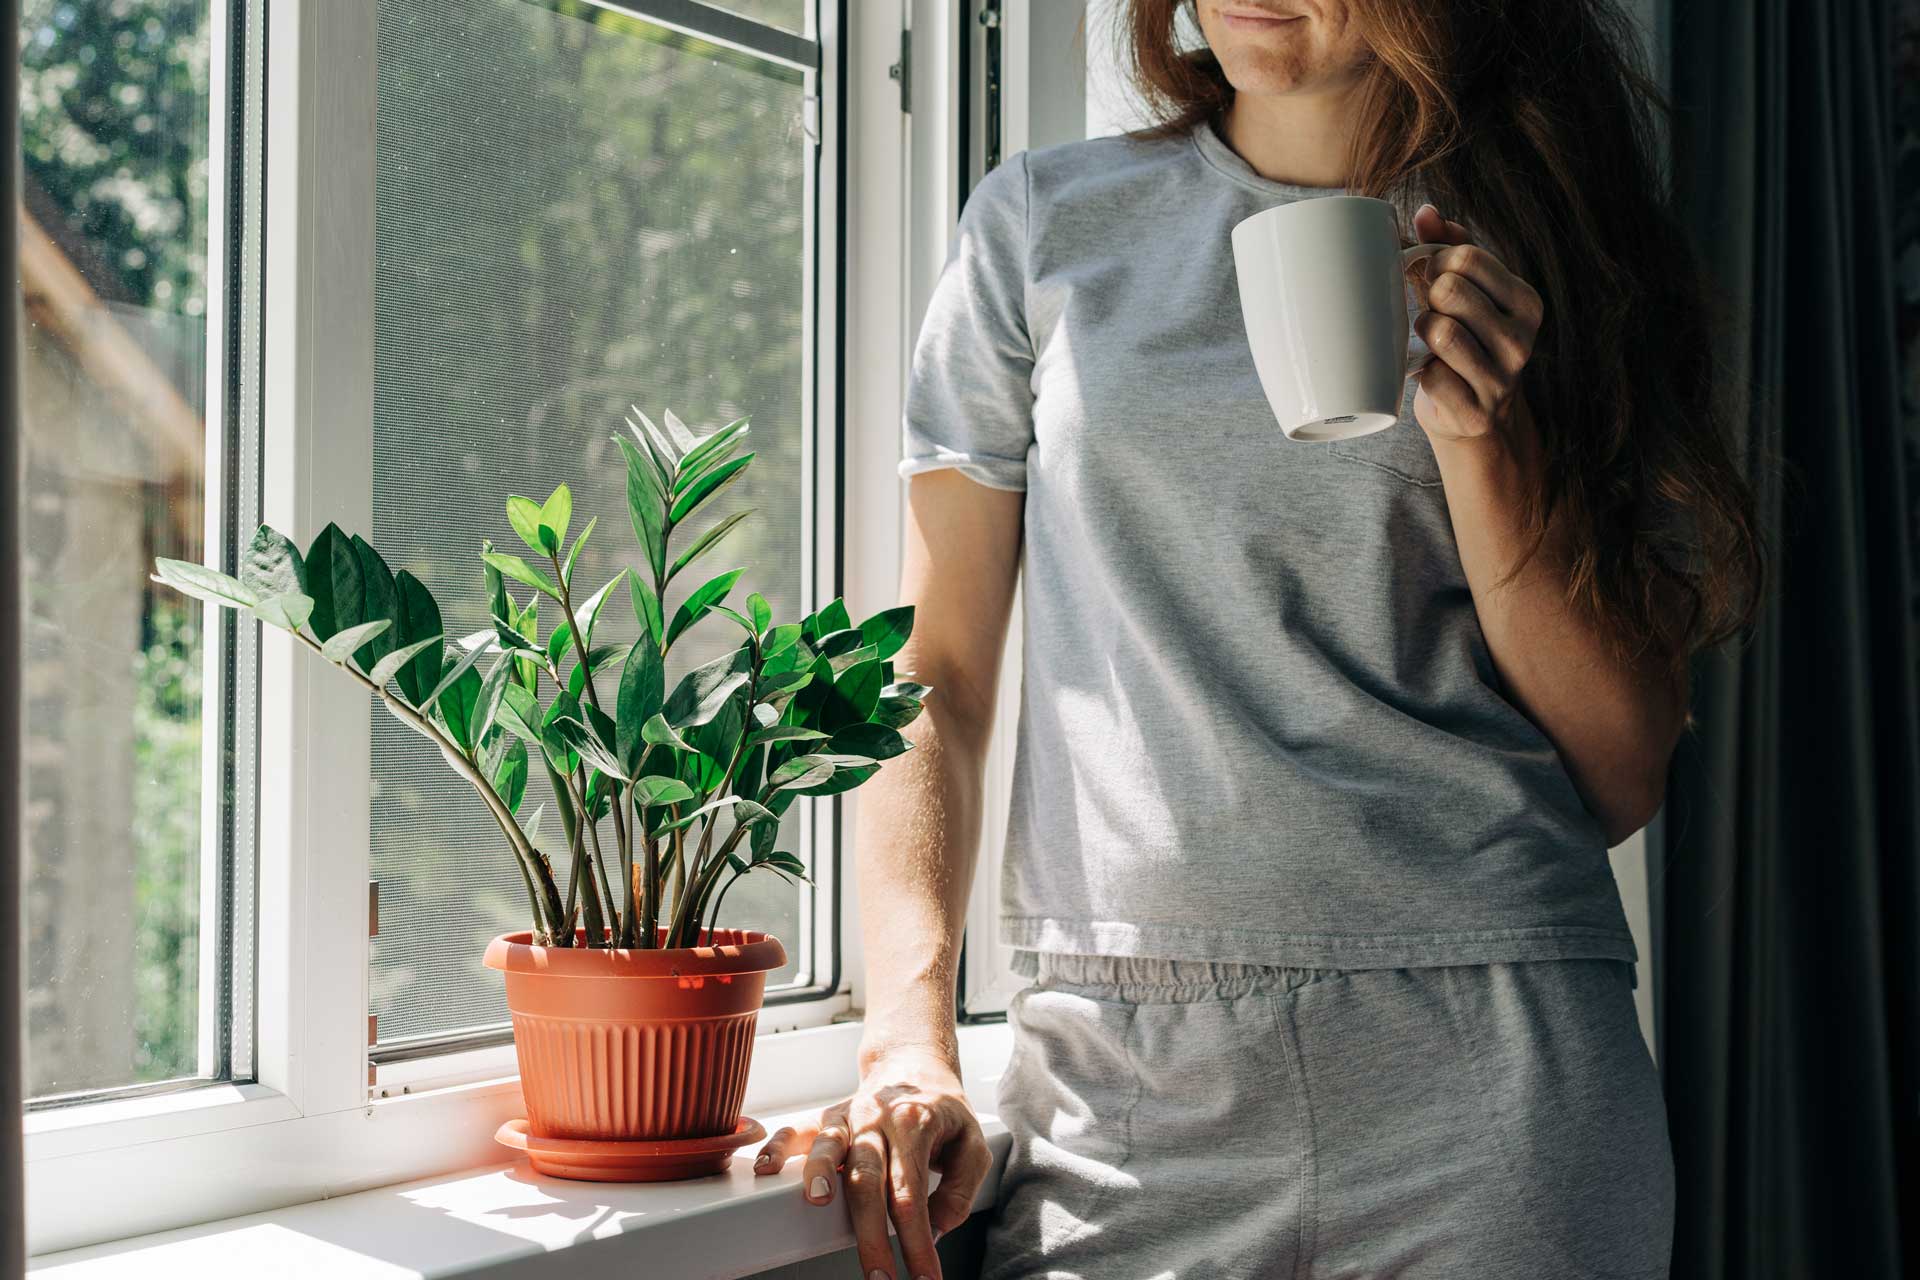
(635, 1044)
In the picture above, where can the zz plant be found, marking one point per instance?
(685, 785)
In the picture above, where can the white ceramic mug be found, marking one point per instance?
(1324, 295)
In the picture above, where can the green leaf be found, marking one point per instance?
(510, 776)
(376, 584)
(661, 443)
(555, 516)
(854, 695)
(688, 819)
(642, 691)
(532, 825)
(341, 645)
(706, 542)
(416, 616)
(708, 593)
(875, 741)
(524, 515)
(456, 672)
(499, 603)
(288, 612)
(206, 584)
(896, 711)
(654, 790)
(834, 643)
(705, 689)
(683, 439)
(646, 507)
(779, 640)
(658, 732)
(553, 740)
(659, 449)
(574, 555)
(888, 630)
(785, 682)
(760, 611)
(492, 690)
(456, 706)
(746, 813)
(786, 733)
(842, 662)
(388, 667)
(520, 712)
(801, 771)
(333, 580)
(708, 448)
(744, 623)
(272, 565)
(782, 863)
(843, 779)
(589, 613)
(906, 689)
(707, 488)
(582, 739)
(833, 618)
(719, 738)
(520, 571)
(646, 607)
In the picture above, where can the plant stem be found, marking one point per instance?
(533, 863)
(593, 696)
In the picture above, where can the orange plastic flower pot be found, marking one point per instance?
(635, 1045)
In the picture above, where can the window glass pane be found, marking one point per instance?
(114, 252)
(577, 211)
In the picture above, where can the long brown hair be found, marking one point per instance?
(1534, 123)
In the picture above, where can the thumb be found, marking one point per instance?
(1433, 228)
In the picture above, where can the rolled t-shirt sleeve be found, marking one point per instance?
(969, 396)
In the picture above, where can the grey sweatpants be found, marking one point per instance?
(1187, 1120)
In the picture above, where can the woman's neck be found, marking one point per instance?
(1303, 138)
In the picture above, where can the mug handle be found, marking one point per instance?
(1417, 358)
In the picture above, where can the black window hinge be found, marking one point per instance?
(903, 72)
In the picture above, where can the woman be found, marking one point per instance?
(1321, 747)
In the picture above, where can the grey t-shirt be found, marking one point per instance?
(1259, 721)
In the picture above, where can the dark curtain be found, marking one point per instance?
(1785, 897)
(12, 1226)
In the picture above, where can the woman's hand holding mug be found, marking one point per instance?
(1480, 323)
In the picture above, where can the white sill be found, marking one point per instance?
(502, 1221)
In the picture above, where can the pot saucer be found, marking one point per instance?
(624, 1160)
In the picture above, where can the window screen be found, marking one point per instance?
(577, 211)
(138, 722)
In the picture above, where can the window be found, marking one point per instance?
(138, 711)
(577, 210)
(269, 284)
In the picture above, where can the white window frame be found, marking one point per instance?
(308, 1126)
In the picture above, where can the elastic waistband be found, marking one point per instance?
(1150, 979)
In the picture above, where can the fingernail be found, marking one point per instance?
(818, 1189)
(1423, 208)
(762, 1160)
(878, 1274)
(937, 1233)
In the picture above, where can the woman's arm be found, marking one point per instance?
(918, 827)
(919, 820)
(1614, 724)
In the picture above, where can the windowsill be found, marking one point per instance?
(502, 1220)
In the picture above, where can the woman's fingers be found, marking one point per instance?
(781, 1146)
(824, 1154)
(1509, 342)
(1508, 291)
(1457, 351)
(911, 1144)
(867, 1201)
(964, 1163)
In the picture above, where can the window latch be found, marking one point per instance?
(903, 71)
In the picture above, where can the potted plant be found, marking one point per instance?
(633, 1010)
